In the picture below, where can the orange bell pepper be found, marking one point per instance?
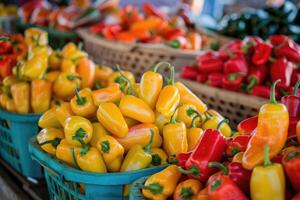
(86, 70)
(21, 94)
(112, 93)
(187, 189)
(41, 91)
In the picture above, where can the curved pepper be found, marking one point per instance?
(65, 85)
(41, 91)
(256, 76)
(112, 152)
(49, 139)
(162, 184)
(267, 181)
(82, 104)
(138, 157)
(130, 122)
(272, 118)
(111, 93)
(262, 53)
(141, 134)
(247, 126)
(86, 70)
(66, 152)
(187, 189)
(49, 120)
(63, 111)
(110, 116)
(159, 157)
(21, 94)
(98, 131)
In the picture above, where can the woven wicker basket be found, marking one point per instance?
(134, 57)
(232, 105)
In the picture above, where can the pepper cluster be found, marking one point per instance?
(249, 66)
(260, 162)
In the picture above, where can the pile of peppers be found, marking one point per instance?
(151, 25)
(41, 76)
(261, 161)
(249, 66)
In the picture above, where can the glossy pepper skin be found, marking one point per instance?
(82, 104)
(101, 74)
(65, 85)
(21, 94)
(35, 67)
(232, 82)
(291, 164)
(141, 134)
(98, 131)
(188, 97)
(161, 185)
(189, 72)
(110, 116)
(112, 152)
(159, 157)
(288, 49)
(150, 85)
(210, 148)
(62, 112)
(267, 181)
(237, 144)
(236, 64)
(210, 62)
(282, 69)
(272, 117)
(193, 134)
(212, 122)
(40, 95)
(247, 126)
(186, 114)
(187, 189)
(111, 93)
(114, 77)
(203, 194)
(262, 52)
(49, 139)
(48, 120)
(261, 91)
(138, 157)
(161, 121)
(181, 158)
(66, 152)
(86, 70)
(256, 76)
(292, 102)
(215, 79)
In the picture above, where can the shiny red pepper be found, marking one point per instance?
(201, 78)
(262, 52)
(97, 28)
(295, 76)
(215, 79)
(231, 48)
(282, 69)
(292, 102)
(261, 91)
(6, 65)
(109, 32)
(291, 163)
(181, 158)
(237, 144)
(5, 45)
(256, 76)
(276, 40)
(189, 72)
(236, 64)
(232, 82)
(210, 62)
(236, 172)
(247, 126)
(173, 34)
(210, 148)
(290, 50)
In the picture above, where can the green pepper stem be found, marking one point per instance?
(293, 155)
(171, 80)
(296, 87)
(252, 83)
(74, 158)
(105, 146)
(148, 146)
(173, 117)
(221, 123)
(193, 171)
(208, 115)
(193, 124)
(79, 135)
(72, 77)
(272, 95)
(79, 99)
(220, 166)
(156, 159)
(155, 188)
(186, 193)
(267, 161)
(55, 142)
(158, 65)
(215, 185)
(124, 78)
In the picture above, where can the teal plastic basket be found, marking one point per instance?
(135, 191)
(15, 133)
(65, 182)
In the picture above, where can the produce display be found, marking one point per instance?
(249, 66)
(259, 162)
(129, 25)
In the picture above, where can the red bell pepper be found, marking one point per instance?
(109, 32)
(232, 82)
(215, 79)
(261, 91)
(181, 158)
(223, 187)
(292, 102)
(210, 62)
(262, 52)
(256, 76)
(173, 34)
(282, 69)
(6, 65)
(291, 163)
(247, 126)
(201, 78)
(231, 48)
(97, 28)
(236, 172)
(276, 40)
(290, 50)
(152, 39)
(189, 72)
(292, 131)
(236, 64)
(237, 144)
(5, 45)
(210, 148)
(150, 10)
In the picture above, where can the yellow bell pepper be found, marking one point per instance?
(186, 113)
(52, 76)
(65, 85)
(161, 121)
(102, 74)
(62, 112)
(41, 91)
(115, 77)
(66, 152)
(36, 37)
(267, 181)
(98, 131)
(21, 94)
(82, 104)
(49, 139)
(187, 189)
(35, 67)
(130, 122)
(55, 60)
(112, 152)
(110, 116)
(68, 66)
(73, 52)
(193, 134)
(213, 121)
(159, 156)
(48, 120)
(112, 93)
(138, 157)
(161, 185)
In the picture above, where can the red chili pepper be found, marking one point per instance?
(236, 64)
(97, 28)
(5, 45)
(292, 102)
(181, 158)
(222, 187)
(290, 50)
(150, 10)
(215, 79)
(6, 65)
(189, 72)
(232, 82)
(278, 39)
(236, 172)
(282, 69)
(237, 144)
(249, 44)
(291, 163)
(210, 148)
(210, 62)
(261, 91)
(173, 34)
(231, 48)
(256, 76)
(202, 78)
(247, 126)
(262, 52)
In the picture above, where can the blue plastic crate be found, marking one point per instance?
(135, 191)
(66, 182)
(15, 133)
